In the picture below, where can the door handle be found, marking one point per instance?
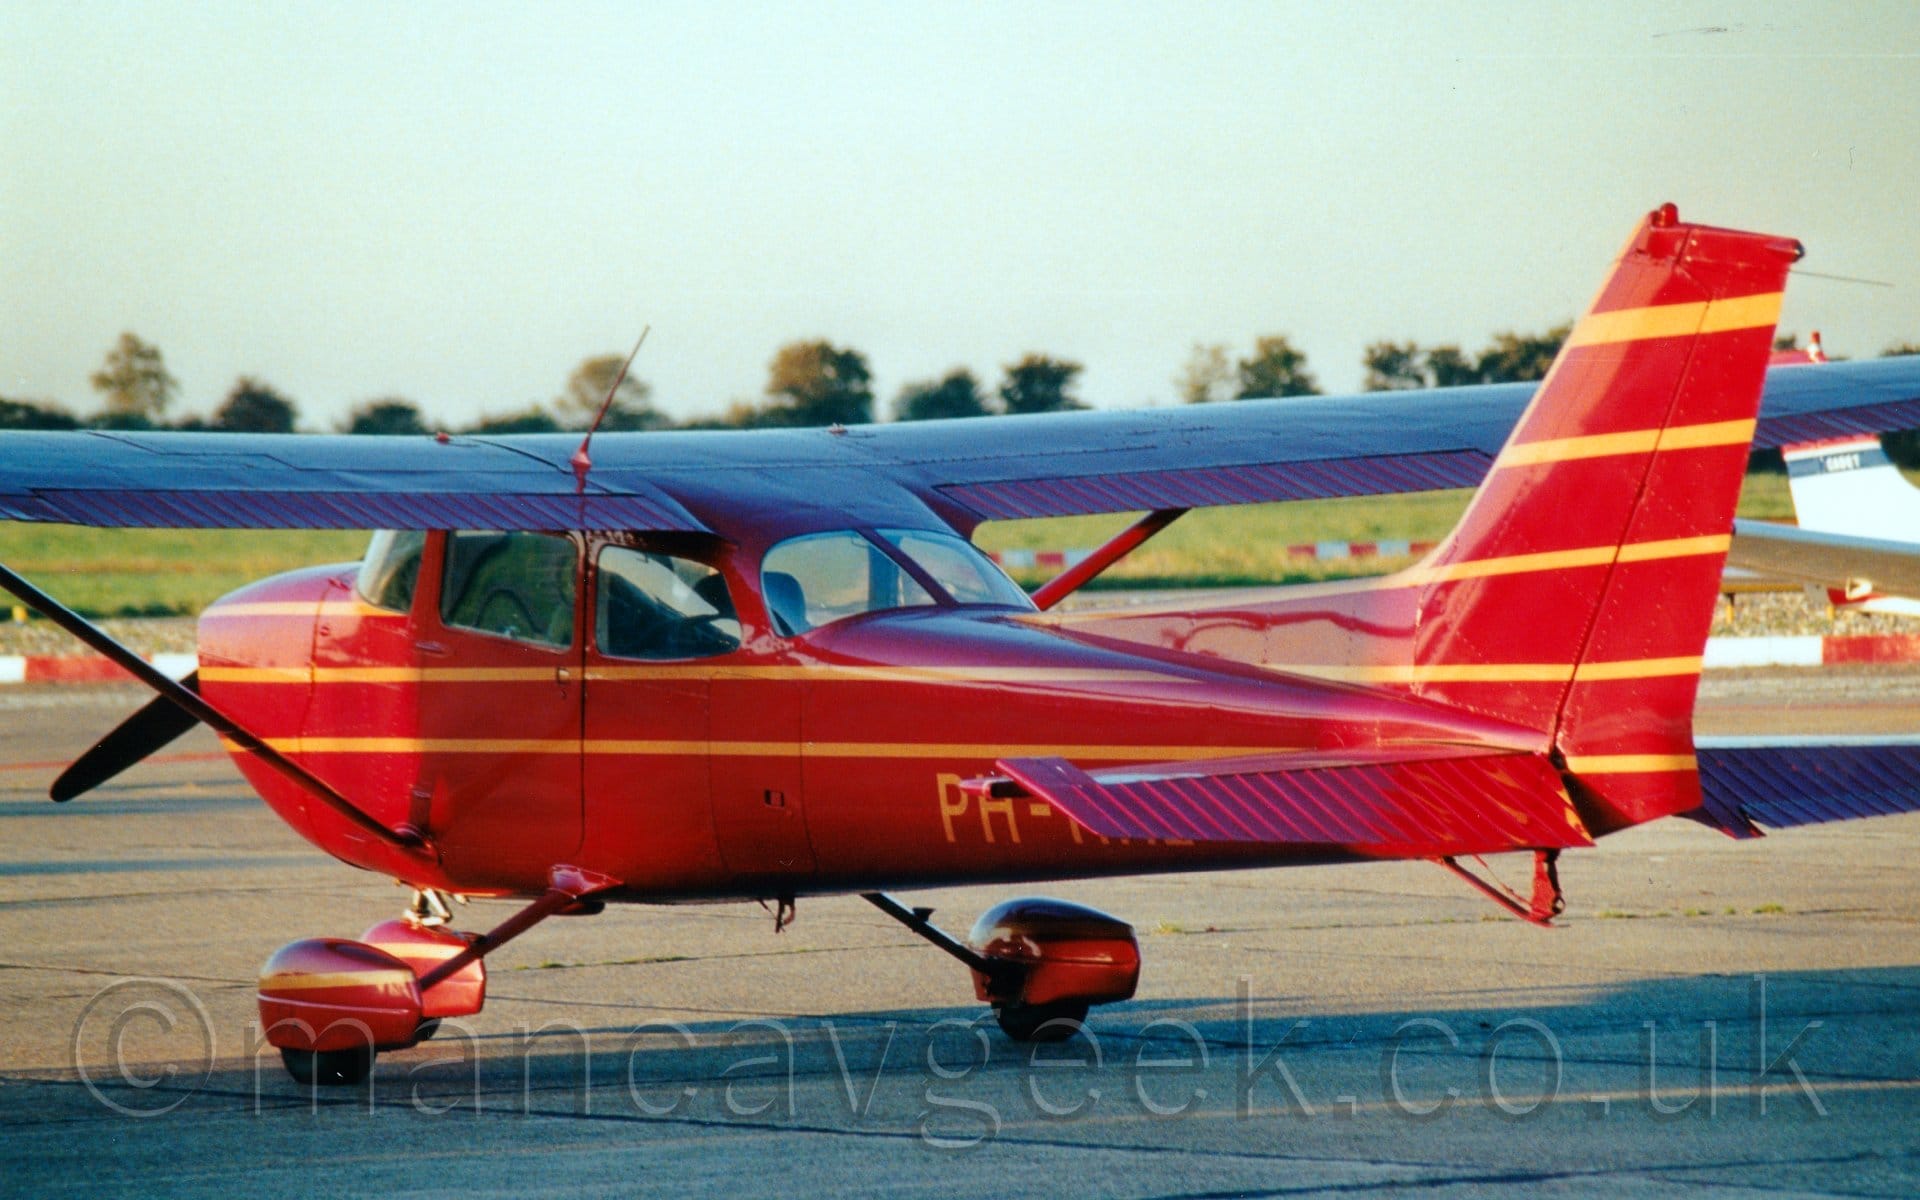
(563, 675)
(435, 648)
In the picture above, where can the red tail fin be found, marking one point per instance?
(1595, 547)
(1574, 597)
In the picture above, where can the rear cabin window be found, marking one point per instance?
(391, 569)
(515, 585)
(659, 606)
(809, 581)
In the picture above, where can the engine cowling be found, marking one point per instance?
(329, 995)
(1056, 954)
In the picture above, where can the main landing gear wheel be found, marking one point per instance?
(1041, 1022)
(328, 1068)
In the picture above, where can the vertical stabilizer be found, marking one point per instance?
(1573, 598)
(1593, 552)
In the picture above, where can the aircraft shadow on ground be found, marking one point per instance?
(1658, 1044)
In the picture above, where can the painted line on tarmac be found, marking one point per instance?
(198, 756)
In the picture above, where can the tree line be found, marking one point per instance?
(809, 384)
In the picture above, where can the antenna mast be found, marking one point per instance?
(581, 461)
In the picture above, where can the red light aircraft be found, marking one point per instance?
(763, 665)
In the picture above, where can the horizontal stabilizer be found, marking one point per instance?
(1428, 807)
(1783, 782)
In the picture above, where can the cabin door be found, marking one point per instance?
(662, 626)
(500, 664)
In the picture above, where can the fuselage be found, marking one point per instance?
(744, 755)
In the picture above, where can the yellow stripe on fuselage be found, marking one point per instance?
(1344, 672)
(990, 675)
(743, 749)
(888, 674)
(1639, 668)
(299, 608)
(376, 674)
(1403, 673)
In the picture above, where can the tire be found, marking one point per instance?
(427, 1029)
(328, 1068)
(1041, 1022)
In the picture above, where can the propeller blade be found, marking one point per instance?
(157, 723)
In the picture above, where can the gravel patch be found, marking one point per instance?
(144, 635)
(1764, 614)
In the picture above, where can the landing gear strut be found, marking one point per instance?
(330, 1005)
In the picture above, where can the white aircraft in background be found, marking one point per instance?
(1859, 532)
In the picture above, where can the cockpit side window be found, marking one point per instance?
(659, 606)
(391, 569)
(812, 580)
(515, 585)
(958, 567)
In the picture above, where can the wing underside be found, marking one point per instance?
(961, 472)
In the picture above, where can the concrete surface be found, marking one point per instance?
(1735, 1017)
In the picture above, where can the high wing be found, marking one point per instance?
(1837, 560)
(958, 472)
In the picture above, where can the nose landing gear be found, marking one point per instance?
(330, 1005)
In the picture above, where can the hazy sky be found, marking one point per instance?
(457, 203)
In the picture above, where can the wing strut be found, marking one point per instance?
(186, 698)
(1124, 543)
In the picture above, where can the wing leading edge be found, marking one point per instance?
(961, 472)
